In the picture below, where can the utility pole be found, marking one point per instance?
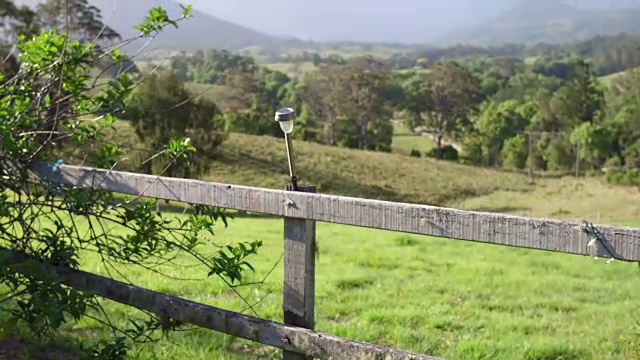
(578, 159)
(529, 159)
(530, 135)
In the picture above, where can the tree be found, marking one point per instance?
(161, 109)
(624, 127)
(367, 102)
(76, 18)
(352, 103)
(594, 143)
(527, 85)
(455, 94)
(580, 100)
(322, 91)
(515, 152)
(256, 95)
(417, 96)
(41, 219)
(496, 124)
(83, 22)
(15, 21)
(212, 66)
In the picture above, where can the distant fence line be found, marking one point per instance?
(301, 209)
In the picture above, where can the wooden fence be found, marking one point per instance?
(301, 209)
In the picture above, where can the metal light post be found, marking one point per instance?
(300, 250)
(286, 118)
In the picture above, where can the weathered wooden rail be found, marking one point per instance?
(300, 210)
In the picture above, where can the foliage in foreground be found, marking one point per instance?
(46, 107)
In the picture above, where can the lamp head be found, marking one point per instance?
(286, 118)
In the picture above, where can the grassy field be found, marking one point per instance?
(261, 161)
(452, 299)
(456, 300)
(293, 69)
(405, 140)
(608, 79)
(345, 51)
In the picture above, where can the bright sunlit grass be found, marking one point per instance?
(453, 299)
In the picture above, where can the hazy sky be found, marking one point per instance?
(416, 21)
(381, 20)
(384, 20)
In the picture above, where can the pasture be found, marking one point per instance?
(293, 69)
(261, 161)
(608, 79)
(404, 140)
(452, 299)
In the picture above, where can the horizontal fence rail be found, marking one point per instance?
(583, 238)
(290, 338)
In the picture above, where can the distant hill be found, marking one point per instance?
(549, 21)
(202, 31)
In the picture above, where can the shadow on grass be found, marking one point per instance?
(325, 183)
(16, 348)
(23, 345)
(501, 209)
(179, 208)
(407, 135)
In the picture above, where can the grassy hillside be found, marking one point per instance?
(608, 79)
(261, 161)
(293, 69)
(202, 31)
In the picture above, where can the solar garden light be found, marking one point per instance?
(286, 118)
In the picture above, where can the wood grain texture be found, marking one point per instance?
(620, 242)
(290, 338)
(299, 272)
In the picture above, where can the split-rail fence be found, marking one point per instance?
(301, 209)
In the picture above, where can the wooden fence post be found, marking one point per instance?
(299, 272)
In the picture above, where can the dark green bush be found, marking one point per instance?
(449, 153)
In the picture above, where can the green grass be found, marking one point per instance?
(293, 69)
(375, 50)
(405, 140)
(219, 94)
(452, 299)
(608, 79)
(417, 71)
(261, 161)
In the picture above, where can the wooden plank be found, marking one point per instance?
(290, 338)
(299, 272)
(620, 242)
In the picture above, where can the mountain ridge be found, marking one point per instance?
(201, 31)
(550, 22)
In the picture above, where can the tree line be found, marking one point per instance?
(544, 113)
(492, 106)
(607, 54)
